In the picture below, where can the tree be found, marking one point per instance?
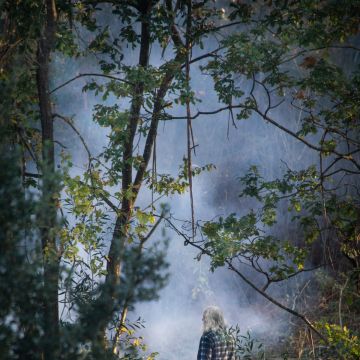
(323, 198)
(101, 301)
(260, 43)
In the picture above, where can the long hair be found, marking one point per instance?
(213, 319)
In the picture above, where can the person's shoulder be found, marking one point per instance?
(214, 334)
(209, 335)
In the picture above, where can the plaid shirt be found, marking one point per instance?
(216, 346)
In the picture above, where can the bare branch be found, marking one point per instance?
(89, 74)
(70, 123)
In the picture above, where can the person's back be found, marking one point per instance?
(216, 345)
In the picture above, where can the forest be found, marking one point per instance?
(160, 156)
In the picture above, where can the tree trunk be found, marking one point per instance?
(49, 188)
(120, 233)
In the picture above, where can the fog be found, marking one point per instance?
(173, 322)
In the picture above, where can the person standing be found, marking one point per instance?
(215, 343)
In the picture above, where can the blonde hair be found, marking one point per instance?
(213, 319)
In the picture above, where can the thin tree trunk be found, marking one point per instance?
(121, 229)
(130, 187)
(49, 195)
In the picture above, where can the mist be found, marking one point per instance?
(173, 322)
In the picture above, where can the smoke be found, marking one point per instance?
(173, 323)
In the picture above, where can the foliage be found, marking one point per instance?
(343, 340)
(88, 235)
(247, 347)
(18, 271)
(288, 62)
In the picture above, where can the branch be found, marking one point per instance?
(348, 171)
(204, 56)
(108, 202)
(89, 74)
(217, 28)
(175, 35)
(251, 284)
(302, 52)
(69, 122)
(158, 107)
(29, 149)
(346, 156)
(149, 234)
(189, 133)
(213, 112)
(33, 175)
(274, 280)
(102, 196)
(275, 302)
